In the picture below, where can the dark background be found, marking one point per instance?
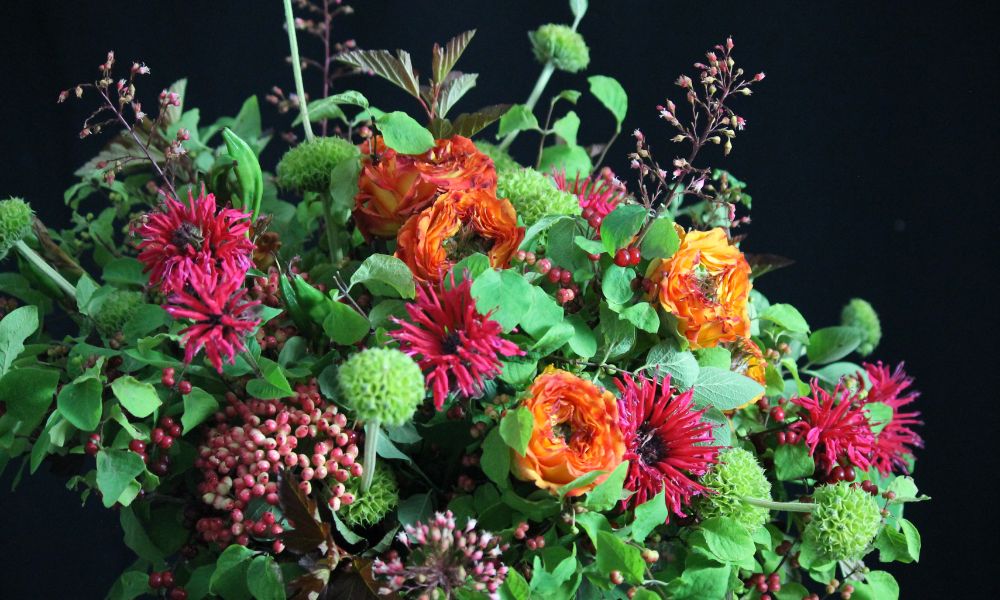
(870, 154)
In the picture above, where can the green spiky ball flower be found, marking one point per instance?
(737, 475)
(562, 46)
(502, 160)
(844, 522)
(307, 167)
(115, 310)
(382, 385)
(535, 195)
(372, 506)
(15, 223)
(860, 314)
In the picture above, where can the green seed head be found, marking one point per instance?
(382, 384)
(737, 475)
(535, 195)
(562, 46)
(501, 159)
(372, 506)
(15, 223)
(115, 310)
(307, 167)
(844, 522)
(860, 314)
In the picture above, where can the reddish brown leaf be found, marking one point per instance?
(309, 531)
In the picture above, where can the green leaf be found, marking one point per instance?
(613, 554)
(563, 157)
(80, 403)
(514, 587)
(28, 392)
(383, 274)
(128, 586)
(878, 585)
(350, 97)
(198, 406)
(506, 293)
(665, 359)
(136, 537)
(395, 69)
(792, 461)
(344, 325)
(612, 95)
(621, 225)
(553, 338)
(567, 127)
(402, 133)
(571, 96)
(618, 334)
(516, 427)
(116, 471)
(321, 110)
(588, 245)
(85, 290)
(230, 577)
(785, 316)
(714, 357)
(617, 284)
(495, 461)
(879, 415)
(643, 316)
(146, 319)
(609, 492)
(137, 397)
(125, 271)
(727, 540)
(519, 372)
(561, 246)
(518, 118)
(580, 482)
(415, 508)
(648, 516)
(272, 384)
(584, 342)
(724, 389)
(15, 328)
(912, 539)
(661, 240)
(832, 343)
(264, 579)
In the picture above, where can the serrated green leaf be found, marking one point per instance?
(16, 327)
(661, 240)
(567, 127)
(506, 293)
(344, 325)
(648, 516)
(724, 389)
(613, 554)
(264, 578)
(727, 540)
(616, 284)
(665, 359)
(199, 405)
(785, 316)
(792, 461)
(609, 492)
(518, 118)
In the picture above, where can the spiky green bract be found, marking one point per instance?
(372, 506)
(307, 167)
(737, 475)
(115, 310)
(860, 314)
(535, 195)
(15, 223)
(562, 46)
(502, 160)
(844, 522)
(382, 385)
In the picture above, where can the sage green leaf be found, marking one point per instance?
(727, 540)
(724, 389)
(199, 405)
(116, 471)
(621, 225)
(609, 492)
(137, 397)
(402, 133)
(516, 427)
(612, 95)
(648, 516)
(495, 461)
(80, 403)
(16, 327)
(383, 275)
(833, 343)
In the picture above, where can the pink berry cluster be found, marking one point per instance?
(253, 440)
(598, 195)
(566, 290)
(273, 334)
(443, 558)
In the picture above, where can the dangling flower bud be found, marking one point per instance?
(561, 46)
(383, 385)
(844, 522)
(860, 314)
(15, 223)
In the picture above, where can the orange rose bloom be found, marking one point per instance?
(706, 285)
(748, 360)
(390, 190)
(457, 224)
(396, 186)
(576, 431)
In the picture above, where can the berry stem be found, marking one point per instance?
(297, 69)
(785, 506)
(39, 263)
(372, 431)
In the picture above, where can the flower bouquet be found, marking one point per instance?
(401, 363)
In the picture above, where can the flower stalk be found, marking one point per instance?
(372, 430)
(39, 263)
(297, 69)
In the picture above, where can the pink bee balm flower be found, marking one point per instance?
(895, 442)
(223, 316)
(665, 442)
(598, 195)
(455, 345)
(183, 238)
(835, 426)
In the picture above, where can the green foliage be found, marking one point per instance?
(382, 385)
(844, 522)
(385, 276)
(372, 506)
(115, 310)
(308, 166)
(737, 475)
(792, 461)
(496, 458)
(562, 46)
(832, 343)
(534, 195)
(15, 328)
(502, 160)
(612, 95)
(621, 225)
(402, 133)
(861, 315)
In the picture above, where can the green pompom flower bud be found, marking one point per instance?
(561, 46)
(736, 476)
(860, 314)
(371, 506)
(307, 167)
(502, 160)
(15, 223)
(844, 522)
(535, 195)
(382, 385)
(115, 310)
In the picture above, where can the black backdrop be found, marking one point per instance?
(869, 153)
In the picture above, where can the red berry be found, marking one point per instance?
(95, 437)
(155, 580)
(166, 422)
(156, 435)
(596, 221)
(781, 438)
(635, 255)
(91, 448)
(168, 579)
(184, 387)
(622, 258)
(178, 594)
(166, 443)
(544, 266)
(777, 413)
(850, 474)
(175, 430)
(137, 446)
(837, 474)
(565, 276)
(594, 257)
(554, 274)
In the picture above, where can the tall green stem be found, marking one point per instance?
(332, 233)
(297, 69)
(372, 431)
(39, 263)
(804, 507)
(536, 93)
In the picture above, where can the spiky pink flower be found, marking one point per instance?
(598, 195)
(895, 442)
(666, 441)
(834, 425)
(182, 238)
(456, 346)
(222, 315)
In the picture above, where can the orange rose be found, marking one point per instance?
(748, 360)
(575, 432)
(705, 284)
(390, 190)
(457, 224)
(455, 164)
